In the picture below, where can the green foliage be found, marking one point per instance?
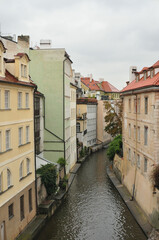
(48, 177)
(84, 151)
(115, 147)
(154, 177)
(63, 183)
(113, 118)
(62, 162)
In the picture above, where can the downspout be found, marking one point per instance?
(36, 200)
(64, 111)
(133, 193)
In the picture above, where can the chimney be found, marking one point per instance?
(127, 83)
(91, 77)
(23, 43)
(45, 44)
(101, 80)
(132, 71)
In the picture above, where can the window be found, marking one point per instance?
(134, 157)
(7, 140)
(21, 171)
(146, 105)
(27, 100)
(129, 105)
(22, 207)
(129, 130)
(25, 71)
(10, 211)
(78, 127)
(19, 99)
(145, 164)
(134, 132)
(30, 200)
(27, 134)
(22, 70)
(145, 135)
(138, 105)
(8, 178)
(138, 134)
(151, 73)
(7, 99)
(129, 154)
(138, 161)
(135, 106)
(20, 136)
(145, 75)
(28, 165)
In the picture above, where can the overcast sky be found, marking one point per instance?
(102, 37)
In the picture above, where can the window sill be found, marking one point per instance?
(6, 189)
(24, 144)
(5, 109)
(11, 217)
(25, 176)
(6, 151)
(23, 108)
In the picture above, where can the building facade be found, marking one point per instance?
(52, 71)
(87, 121)
(140, 139)
(17, 168)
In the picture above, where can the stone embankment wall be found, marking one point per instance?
(118, 166)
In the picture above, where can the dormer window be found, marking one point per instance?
(151, 73)
(23, 70)
(145, 75)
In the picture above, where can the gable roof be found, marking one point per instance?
(91, 85)
(107, 87)
(22, 54)
(9, 78)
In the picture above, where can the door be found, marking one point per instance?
(2, 230)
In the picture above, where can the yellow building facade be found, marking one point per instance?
(17, 170)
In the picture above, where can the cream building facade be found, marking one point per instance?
(17, 170)
(141, 139)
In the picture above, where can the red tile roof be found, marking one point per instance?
(9, 78)
(142, 83)
(91, 85)
(107, 87)
(21, 55)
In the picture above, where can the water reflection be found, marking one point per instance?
(93, 209)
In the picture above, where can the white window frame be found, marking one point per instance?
(28, 165)
(27, 133)
(21, 171)
(19, 100)
(20, 135)
(8, 178)
(7, 99)
(26, 100)
(7, 139)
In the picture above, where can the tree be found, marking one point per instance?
(113, 118)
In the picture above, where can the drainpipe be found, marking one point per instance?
(133, 193)
(36, 200)
(64, 111)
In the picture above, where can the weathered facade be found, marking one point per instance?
(17, 168)
(140, 139)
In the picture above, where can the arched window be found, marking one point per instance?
(28, 165)
(8, 178)
(21, 170)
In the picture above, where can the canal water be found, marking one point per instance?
(93, 209)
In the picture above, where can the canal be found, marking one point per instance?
(93, 209)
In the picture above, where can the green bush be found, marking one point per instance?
(62, 162)
(115, 147)
(48, 177)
